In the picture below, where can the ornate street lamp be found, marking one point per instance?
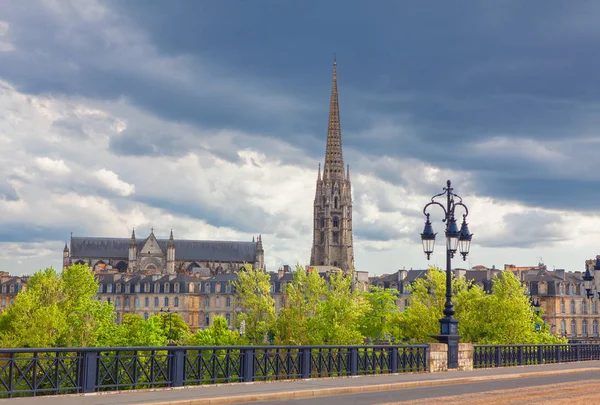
(588, 280)
(455, 240)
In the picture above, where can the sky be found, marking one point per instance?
(210, 118)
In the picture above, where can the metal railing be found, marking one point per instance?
(33, 372)
(485, 356)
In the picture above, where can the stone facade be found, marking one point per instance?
(332, 216)
(163, 256)
(437, 357)
(10, 286)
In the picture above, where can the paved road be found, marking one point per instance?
(580, 388)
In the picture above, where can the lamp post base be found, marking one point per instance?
(449, 336)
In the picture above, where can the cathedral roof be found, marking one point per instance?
(189, 250)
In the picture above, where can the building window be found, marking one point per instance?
(156, 303)
(322, 222)
(4, 289)
(167, 287)
(207, 287)
(3, 301)
(147, 287)
(118, 302)
(595, 307)
(118, 319)
(595, 328)
(176, 287)
(207, 320)
(562, 307)
(166, 301)
(336, 222)
(207, 302)
(136, 302)
(584, 328)
(561, 289)
(336, 237)
(146, 302)
(108, 300)
(156, 288)
(228, 287)
(99, 288)
(563, 327)
(322, 237)
(571, 289)
(573, 328)
(146, 316)
(573, 306)
(127, 290)
(283, 301)
(119, 287)
(109, 288)
(137, 287)
(228, 302)
(126, 302)
(176, 301)
(583, 307)
(228, 319)
(272, 288)
(542, 288)
(335, 202)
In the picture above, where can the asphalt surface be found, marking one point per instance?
(441, 392)
(274, 388)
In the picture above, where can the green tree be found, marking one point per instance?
(172, 325)
(218, 334)
(297, 322)
(253, 289)
(135, 331)
(382, 316)
(339, 314)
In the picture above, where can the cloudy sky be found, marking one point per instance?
(210, 117)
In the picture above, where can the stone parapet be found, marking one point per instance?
(437, 357)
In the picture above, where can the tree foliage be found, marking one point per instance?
(217, 334)
(253, 289)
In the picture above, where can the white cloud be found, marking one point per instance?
(57, 167)
(111, 180)
(5, 44)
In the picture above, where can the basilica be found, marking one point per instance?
(163, 256)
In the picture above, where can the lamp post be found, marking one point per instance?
(168, 312)
(455, 240)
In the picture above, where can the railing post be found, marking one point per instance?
(306, 364)
(176, 366)
(558, 347)
(540, 354)
(577, 354)
(498, 356)
(520, 355)
(394, 360)
(88, 373)
(354, 361)
(248, 365)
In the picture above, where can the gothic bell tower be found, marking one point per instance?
(332, 235)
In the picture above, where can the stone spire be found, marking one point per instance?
(171, 241)
(334, 161)
(132, 241)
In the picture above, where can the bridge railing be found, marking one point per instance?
(485, 356)
(32, 372)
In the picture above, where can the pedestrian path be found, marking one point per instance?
(263, 391)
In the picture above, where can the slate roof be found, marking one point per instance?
(190, 250)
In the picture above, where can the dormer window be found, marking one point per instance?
(228, 287)
(167, 289)
(127, 288)
(207, 287)
(137, 287)
(176, 287)
(4, 289)
(191, 288)
(119, 287)
(156, 288)
(147, 287)
(11, 288)
(571, 289)
(109, 288)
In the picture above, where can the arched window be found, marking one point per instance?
(584, 327)
(121, 266)
(137, 287)
(136, 302)
(11, 289)
(166, 301)
(119, 287)
(191, 288)
(4, 289)
(127, 302)
(207, 302)
(595, 307)
(109, 288)
(118, 302)
(595, 328)
(336, 237)
(322, 222)
(572, 306)
(583, 307)
(127, 288)
(228, 319)
(561, 289)
(156, 302)
(146, 302)
(563, 327)
(207, 287)
(573, 328)
(336, 222)
(228, 287)
(571, 289)
(207, 320)
(322, 237)
(542, 288)
(147, 287)
(156, 288)
(176, 301)
(176, 287)
(167, 287)
(562, 307)
(228, 302)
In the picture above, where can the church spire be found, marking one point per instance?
(334, 161)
